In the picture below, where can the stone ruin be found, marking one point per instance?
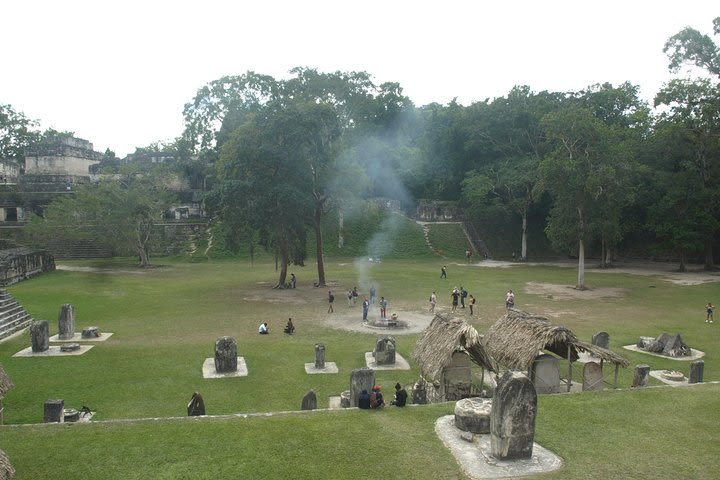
(319, 355)
(226, 355)
(665, 344)
(512, 417)
(66, 322)
(384, 352)
(196, 406)
(309, 401)
(360, 379)
(40, 336)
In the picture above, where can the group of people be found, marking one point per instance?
(353, 295)
(264, 329)
(460, 297)
(367, 401)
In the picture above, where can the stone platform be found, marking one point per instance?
(476, 461)
(208, 369)
(77, 337)
(400, 363)
(694, 354)
(53, 351)
(658, 375)
(330, 367)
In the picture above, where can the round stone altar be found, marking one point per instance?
(473, 414)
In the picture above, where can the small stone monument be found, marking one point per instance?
(70, 347)
(66, 322)
(309, 401)
(319, 355)
(225, 355)
(360, 379)
(345, 399)
(601, 339)
(592, 377)
(54, 411)
(696, 371)
(473, 414)
(384, 352)
(90, 332)
(196, 406)
(640, 378)
(512, 420)
(40, 336)
(419, 392)
(546, 374)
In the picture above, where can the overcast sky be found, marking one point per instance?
(119, 73)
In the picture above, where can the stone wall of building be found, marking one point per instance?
(61, 156)
(20, 263)
(437, 211)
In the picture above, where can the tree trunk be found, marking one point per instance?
(581, 253)
(141, 239)
(709, 260)
(283, 270)
(523, 246)
(341, 240)
(319, 245)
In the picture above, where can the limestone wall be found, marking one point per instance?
(20, 263)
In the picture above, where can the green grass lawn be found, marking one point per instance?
(165, 321)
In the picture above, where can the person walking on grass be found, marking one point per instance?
(471, 303)
(455, 295)
(443, 271)
(331, 299)
(433, 301)
(709, 310)
(509, 300)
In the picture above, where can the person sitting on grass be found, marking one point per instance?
(289, 328)
(364, 400)
(263, 329)
(400, 396)
(376, 398)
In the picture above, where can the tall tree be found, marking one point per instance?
(689, 46)
(16, 133)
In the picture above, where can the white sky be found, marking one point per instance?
(118, 73)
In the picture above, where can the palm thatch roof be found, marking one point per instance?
(515, 340)
(6, 469)
(443, 337)
(5, 382)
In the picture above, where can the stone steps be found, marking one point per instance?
(13, 317)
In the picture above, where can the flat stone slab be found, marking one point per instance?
(400, 363)
(334, 403)
(473, 454)
(658, 374)
(53, 351)
(694, 354)
(77, 337)
(330, 367)
(208, 369)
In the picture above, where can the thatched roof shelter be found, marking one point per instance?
(515, 340)
(443, 337)
(5, 383)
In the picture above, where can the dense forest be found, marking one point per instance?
(596, 171)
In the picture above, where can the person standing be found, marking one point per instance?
(331, 299)
(509, 300)
(373, 294)
(709, 310)
(455, 295)
(383, 307)
(463, 296)
(443, 271)
(471, 303)
(350, 298)
(290, 327)
(433, 301)
(366, 307)
(293, 280)
(354, 295)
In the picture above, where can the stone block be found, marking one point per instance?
(601, 339)
(54, 411)
(66, 322)
(309, 401)
(641, 376)
(512, 419)
(592, 377)
(319, 355)
(225, 355)
(696, 371)
(473, 414)
(40, 335)
(360, 379)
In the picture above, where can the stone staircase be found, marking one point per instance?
(13, 317)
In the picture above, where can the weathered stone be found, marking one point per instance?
(641, 375)
(546, 374)
(309, 401)
(90, 332)
(696, 371)
(70, 347)
(601, 339)
(419, 392)
(643, 342)
(457, 377)
(384, 352)
(592, 377)
(360, 379)
(54, 411)
(66, 322)
(225, 355)
(71, 415)
(196, 406)
(512, 420)
(319, 355)
(40, 335)
(345, 399)
(473, 414)
(675, 347)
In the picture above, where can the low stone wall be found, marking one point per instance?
(20, 263)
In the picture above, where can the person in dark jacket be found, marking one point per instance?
(400, 396)
(364, 400)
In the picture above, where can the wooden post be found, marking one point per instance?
(617, 367)
(482, 378)
(569, 380)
